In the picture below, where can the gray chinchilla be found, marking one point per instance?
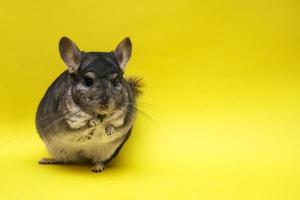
(88, 112)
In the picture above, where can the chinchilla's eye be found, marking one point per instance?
(88, 81)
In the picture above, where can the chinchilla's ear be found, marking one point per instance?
(123, 52)
(70, 54)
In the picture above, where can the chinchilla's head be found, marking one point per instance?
(97, 79)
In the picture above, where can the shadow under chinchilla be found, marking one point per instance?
(83, 168)
(118, 165)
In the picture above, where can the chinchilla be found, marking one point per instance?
(88, 112)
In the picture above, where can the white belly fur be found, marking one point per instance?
(76, 147)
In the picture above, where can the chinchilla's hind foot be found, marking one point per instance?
(50, 161)
(98, 167)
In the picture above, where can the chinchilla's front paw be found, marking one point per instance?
(109, 129)
(94, 122)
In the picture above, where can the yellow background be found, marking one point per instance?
(220, 113)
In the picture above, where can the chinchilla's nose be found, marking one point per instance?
(104, 99)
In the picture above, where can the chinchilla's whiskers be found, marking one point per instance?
(25, 139)
(76, 111)
(135, 107)
(144, 114)
(6, 143)
(130, 107)
(147, 106)
(133, 110)
(57, 123)
(57, 113)
(155, 111)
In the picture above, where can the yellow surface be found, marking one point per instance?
(219, 118)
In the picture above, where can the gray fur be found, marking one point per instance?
(88, 112)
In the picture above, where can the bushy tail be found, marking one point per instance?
(136, 85)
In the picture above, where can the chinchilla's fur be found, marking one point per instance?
(88, 112)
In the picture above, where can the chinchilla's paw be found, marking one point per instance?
(109, 129)
(49, 161)
(98, 167)
(94, 122)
